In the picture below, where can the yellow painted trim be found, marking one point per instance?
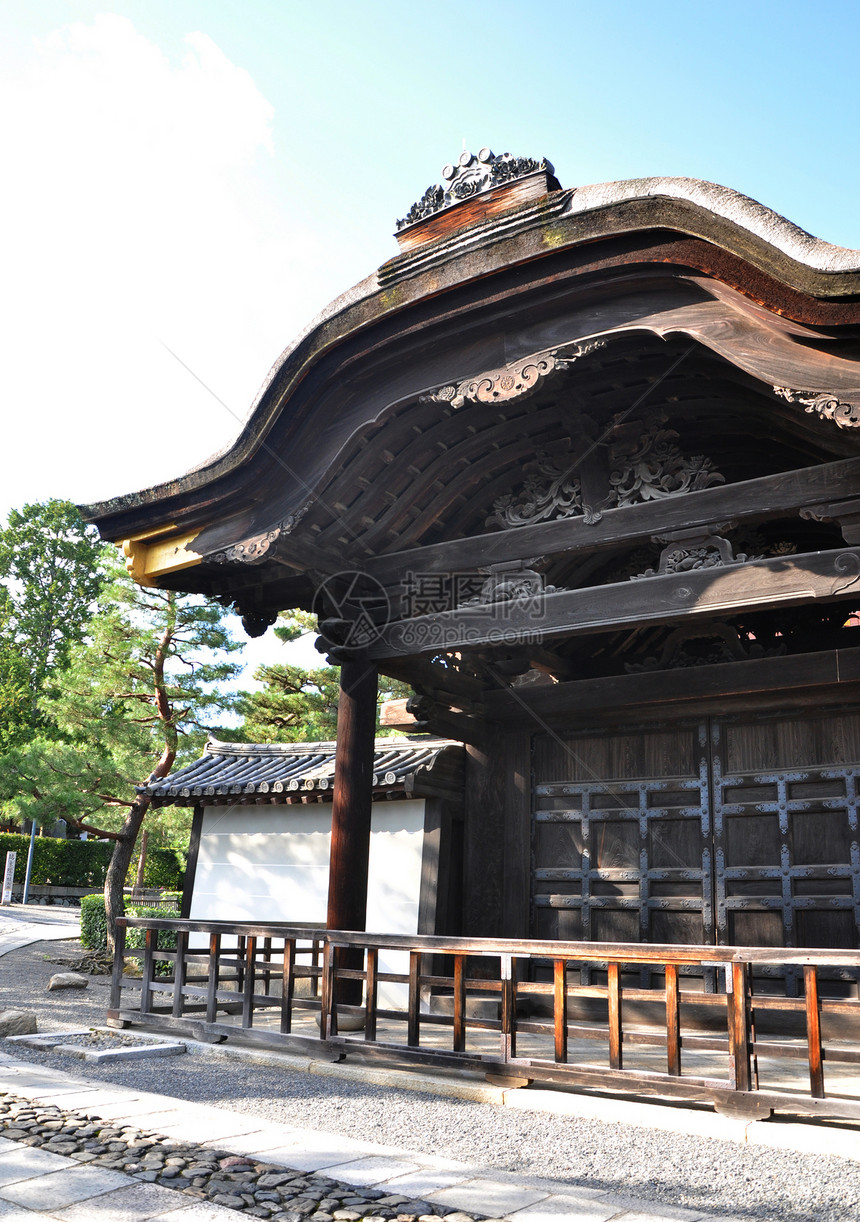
(147, 561)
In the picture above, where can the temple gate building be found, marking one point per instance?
(581, 466)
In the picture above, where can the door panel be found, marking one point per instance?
(621, 844)
(736, 831)
(785, 831)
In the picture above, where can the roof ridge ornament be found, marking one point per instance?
(472, 175)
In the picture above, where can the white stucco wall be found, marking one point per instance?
(271, 864)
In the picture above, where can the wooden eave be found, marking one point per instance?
(451, 310)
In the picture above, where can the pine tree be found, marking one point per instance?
(50, 576)
(136, 696)
(298, 705)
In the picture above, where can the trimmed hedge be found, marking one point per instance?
(58, 863)
(165, 868)
(94, 928)
(93, 922)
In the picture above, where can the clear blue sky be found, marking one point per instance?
(207, 175)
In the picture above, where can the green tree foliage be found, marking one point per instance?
(51, 574)
(136, 696)
(16, 698)
(298, 705)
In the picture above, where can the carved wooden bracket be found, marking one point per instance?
(515, 380)
(688, 550)
(716, 643)
(255, 549)
(511, 583)
(846, 513)
(822, 403)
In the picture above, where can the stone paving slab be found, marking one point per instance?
(59, 1188)
(568, 1209)
(261, 1141)
(417, 1184)
(488, 1196)
(370, 1172)
(199, 1213)
(24, 1162)
(17, 1213)
(135, 1204)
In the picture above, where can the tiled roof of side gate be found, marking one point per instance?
(286, 770)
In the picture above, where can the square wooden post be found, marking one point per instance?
(352, 804)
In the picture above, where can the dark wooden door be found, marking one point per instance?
(622, 836)
(736, 830)
(785, 830)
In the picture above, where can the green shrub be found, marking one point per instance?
(165, 868)
(58, 863)
(94, 930)
(165, 940)
(94, 922)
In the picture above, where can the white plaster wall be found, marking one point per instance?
(271, 864)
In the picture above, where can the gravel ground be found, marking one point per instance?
(649, 1167)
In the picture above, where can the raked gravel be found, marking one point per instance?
(652, 1168)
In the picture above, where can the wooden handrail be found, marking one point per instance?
(257, 976)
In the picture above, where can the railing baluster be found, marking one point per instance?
(738, 1019)
(613, 994)
(560, 1009)
(371, 994)
(459, 1041)
(150, 942)
(180, 968)
(316, 946)
(249, 981)
(413, 1023)
(673, 1021)
(267, 965)
(328, 1004)
(813, 1033)
(287, 985)
(240, 964)
(214, 976)
(509, 1008)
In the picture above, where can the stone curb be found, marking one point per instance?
(838, 1138)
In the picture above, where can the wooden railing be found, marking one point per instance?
(512, 1009)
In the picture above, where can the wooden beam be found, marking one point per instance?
(770, 496)
(810, 674)
(786, 580)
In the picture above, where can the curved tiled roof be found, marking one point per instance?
(284, 770)
(564, 219)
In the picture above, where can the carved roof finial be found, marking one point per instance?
(471, 175)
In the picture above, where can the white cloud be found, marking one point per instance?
(136, 211)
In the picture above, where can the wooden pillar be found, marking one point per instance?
(351, 807)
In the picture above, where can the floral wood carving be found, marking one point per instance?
(651, 468)
(470, 176)
(254, 550)
(656, 468)
(551, 492)
(821, 403)
(513, 381)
